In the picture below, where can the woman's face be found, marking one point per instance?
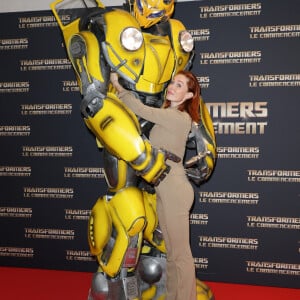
(177, 90)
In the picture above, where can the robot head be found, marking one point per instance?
(150, 12)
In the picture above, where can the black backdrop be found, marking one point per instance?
(245, 222)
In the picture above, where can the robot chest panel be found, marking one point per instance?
(159, 59)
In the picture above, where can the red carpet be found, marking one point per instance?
(33, 284)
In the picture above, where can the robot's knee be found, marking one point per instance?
(150, 270)
(99, 287)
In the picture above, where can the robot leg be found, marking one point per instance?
(115, 237)
(118, 130)
(122, 287)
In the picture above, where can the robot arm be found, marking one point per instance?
(77, 22)
(110, 121)
(202, 138)
(92, 77)
(92, 55)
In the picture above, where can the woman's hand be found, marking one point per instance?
(114, 79)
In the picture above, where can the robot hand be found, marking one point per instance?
(92, 102)
(196, 168)
(202, 138)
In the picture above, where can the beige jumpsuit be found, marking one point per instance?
(175, 195)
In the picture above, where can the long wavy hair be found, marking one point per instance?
(192, 105)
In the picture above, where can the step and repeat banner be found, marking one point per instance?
(245, 222)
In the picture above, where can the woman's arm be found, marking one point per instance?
(154, 115)
(114, 79)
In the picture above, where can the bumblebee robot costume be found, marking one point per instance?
(146, 47)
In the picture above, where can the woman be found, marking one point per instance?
(175, 195)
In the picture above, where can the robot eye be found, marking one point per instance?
(166, 2)
(156, 14)
(131, 39)
(139, 6)
(186, 41)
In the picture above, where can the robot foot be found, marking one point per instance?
(203, 291)
(104, 288)
(151, 281)
(99, 287)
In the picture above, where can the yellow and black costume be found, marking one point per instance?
(146, 48)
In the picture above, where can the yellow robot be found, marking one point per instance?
(146, 47)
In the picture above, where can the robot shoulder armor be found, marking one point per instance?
(176, 25)
(120, 18)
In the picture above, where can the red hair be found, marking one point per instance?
(192, 105)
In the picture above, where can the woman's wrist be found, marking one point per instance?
(114, 79)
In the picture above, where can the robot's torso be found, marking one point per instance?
(148, 69)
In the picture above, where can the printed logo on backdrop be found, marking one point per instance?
(14, 44)
(274, 80)
(235, 152)
(38, 22)
(47, 151)
(237, 243)
(230, 57)
(200, 34)
(274, 268)
(48, 192)
(273, 222)
(204, 81)
(230, 10)
(84, 172)
(79, 255)
(45, 64)
(15, 171)
(15, 130)
(17, 252)
(77, 214)
(274, 31)
(245, 115)
(278, 176)
(14, 87)
(198, 219)
(229, 198)
(16, 212)
(46, 109)
(201, 263)
(49, 233)
(70, 86)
